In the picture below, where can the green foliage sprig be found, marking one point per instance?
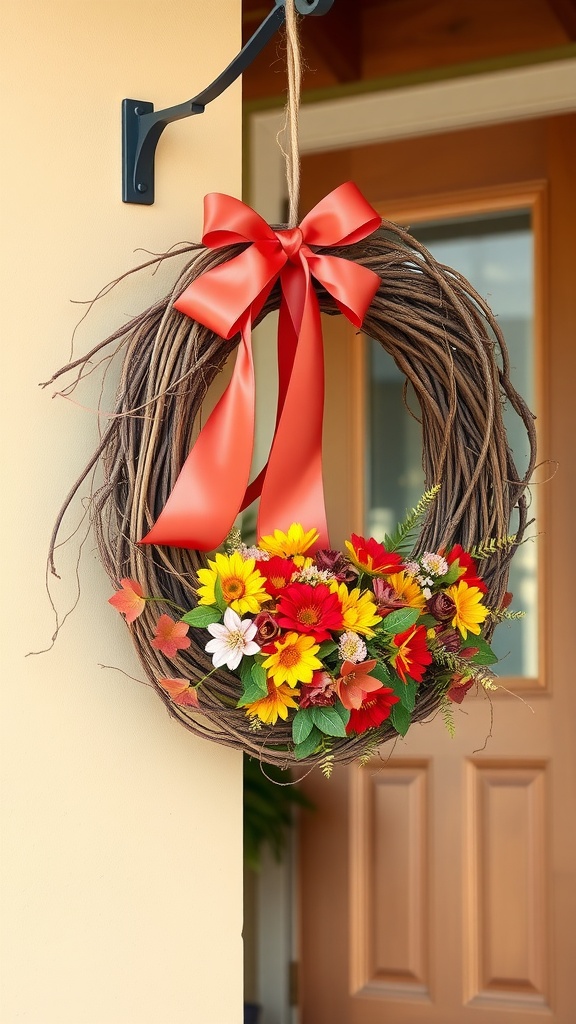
(403, 537)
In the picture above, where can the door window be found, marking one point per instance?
(495, 253)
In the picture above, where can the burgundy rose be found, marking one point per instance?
(449, 638)
(267, 629)
(386, 597)
(441, 607)
(336, 563)
(320, 693)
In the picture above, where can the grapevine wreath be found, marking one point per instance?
(379, 635)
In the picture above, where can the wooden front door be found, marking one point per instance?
(438, 884)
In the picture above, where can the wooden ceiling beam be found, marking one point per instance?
(337, 39)
(565, 12)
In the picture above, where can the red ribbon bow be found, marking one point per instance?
(213, 484)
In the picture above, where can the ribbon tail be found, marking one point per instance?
(287, 343)
(210, 488)
(293, 489)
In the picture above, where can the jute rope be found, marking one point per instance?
(292, 153)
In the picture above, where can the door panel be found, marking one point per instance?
(437, 883)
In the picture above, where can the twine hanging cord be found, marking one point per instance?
(290, 146)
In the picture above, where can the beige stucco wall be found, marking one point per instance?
(121, 856)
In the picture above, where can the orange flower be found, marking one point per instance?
(170, 636)
(355, 682)
(130, 600)
(180, 692)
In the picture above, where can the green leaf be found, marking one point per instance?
(408, 695)
(245, 669)
(454, 573)
(400, 719)
(427, 620)
(328, 721)
(308, 746)
(381, 672)
(302, 725)
(399, 620)
(326, 648)
(250, 693)
(219, 596)
(203, 615)
(342, 711)
(485, 654)
(259, 678)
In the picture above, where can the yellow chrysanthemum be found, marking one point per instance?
(470, 611)
(358, 610)
(279, 699)
(303, 561)
(295, 542)
(407, 589)
(294, 660)
(243, 587)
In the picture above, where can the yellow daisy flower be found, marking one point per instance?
(358, 610)
(407, 589)
(243, 587)
(294, 660)
(279, 699)
(470, 611)
(295, 542)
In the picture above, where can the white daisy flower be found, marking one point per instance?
(232, 640)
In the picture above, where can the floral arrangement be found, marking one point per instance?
(336, 642)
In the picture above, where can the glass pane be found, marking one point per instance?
(495, 253)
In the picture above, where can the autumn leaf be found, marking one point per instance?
(130, 600)
(170, 636)
(180, 692)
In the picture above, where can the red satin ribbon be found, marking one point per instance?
(213, 484)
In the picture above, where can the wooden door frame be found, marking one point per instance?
(478, 100)
(474, 101)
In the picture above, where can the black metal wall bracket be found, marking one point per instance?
(142, 126)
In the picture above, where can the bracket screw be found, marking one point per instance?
(142, 187)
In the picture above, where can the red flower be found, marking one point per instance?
(130, 600)
(308, 609)
(467, 563)
(355, 683)
(170, 636)
(374, 710)
(412, 655)
(277, 572)
(319, 693)
(371, 556)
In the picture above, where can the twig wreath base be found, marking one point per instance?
(446, 342)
